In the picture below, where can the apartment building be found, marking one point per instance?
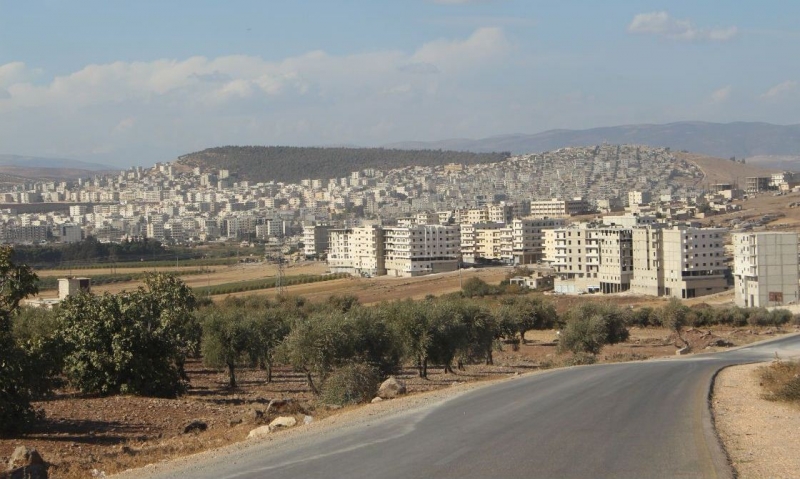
(556, 208)
(315, 240)
(765, 269)
(630, 220)
(757, 184)
(421, 249)
(575, 273)
(528, 239)
(682, 262)
(592, 258)
(480, 242)
(357, 251)
(636, 198)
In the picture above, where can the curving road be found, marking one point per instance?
(629, 420)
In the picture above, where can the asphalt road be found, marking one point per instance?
(629, 420)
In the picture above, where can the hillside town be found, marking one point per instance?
(182, 206)
(422, 220)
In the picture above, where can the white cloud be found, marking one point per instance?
(779, 90)
(662, 24)
(721, 95)
(484, 44)
(182, 104)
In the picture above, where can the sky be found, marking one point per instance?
(134, 83)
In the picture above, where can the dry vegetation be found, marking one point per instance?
(781, 381)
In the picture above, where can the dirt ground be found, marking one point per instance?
(760, 436)
(216, 275)
(82, 434)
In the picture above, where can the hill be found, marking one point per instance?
(740, 139)
(292, 164)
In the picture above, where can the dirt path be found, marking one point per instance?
(760, 436)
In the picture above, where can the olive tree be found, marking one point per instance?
(132, 342)
(590, 326)
(16, 283)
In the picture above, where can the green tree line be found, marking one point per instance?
(292, 164)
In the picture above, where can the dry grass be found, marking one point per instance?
(781, 381)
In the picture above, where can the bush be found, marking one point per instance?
(781, 379)
(580, 359)
(477, 287)
(352, 383)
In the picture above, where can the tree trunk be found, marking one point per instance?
(231, 375)
(419, 366)
(269, 371)
(489, 356)
(310, 382)
(425, 368)
(460, 365)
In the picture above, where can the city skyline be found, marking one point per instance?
(142, 83)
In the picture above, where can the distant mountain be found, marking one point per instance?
(723, 140)
(292, 164)
(59, 163)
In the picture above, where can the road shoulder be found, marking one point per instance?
(759, 436)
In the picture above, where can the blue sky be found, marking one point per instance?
(144, 81)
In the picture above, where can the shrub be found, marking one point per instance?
(476, 287)
(352, 383)
(580, 359)
(781, 379)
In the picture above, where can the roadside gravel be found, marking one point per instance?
(760, 436)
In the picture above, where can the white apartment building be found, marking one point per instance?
(629, 220)
(556, 208)
(682, 262)
(528, 238)
(574, 272)
(357, 251)
(589, 259)
(636, 198)
(421, 249)
(765, 269)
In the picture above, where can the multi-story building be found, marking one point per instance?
(556, 208)
(683, 262)
(421, 249)
(70, 233)
(357, 251)
(638, 198)
(477, 241)
(574, 272)
(757, 184)
(528, 238)
(765, 269)
(315, 240)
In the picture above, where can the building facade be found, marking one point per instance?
(765, 269)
